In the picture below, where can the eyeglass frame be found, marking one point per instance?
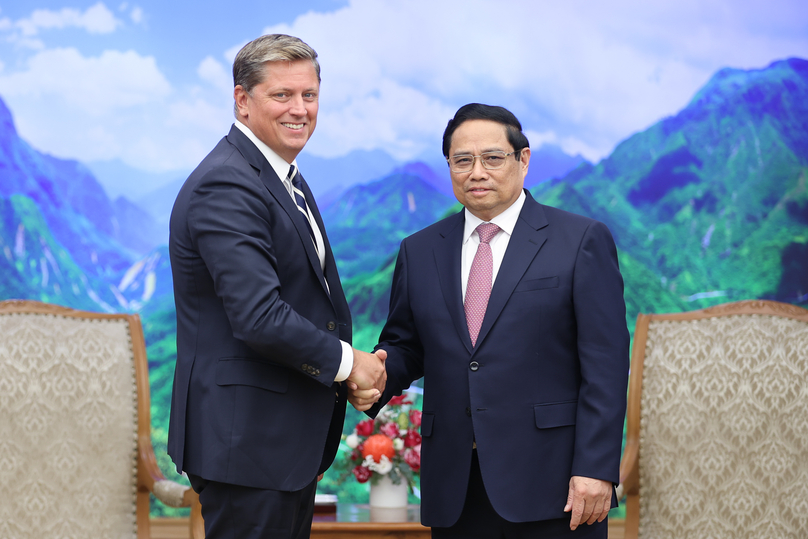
(474, 157)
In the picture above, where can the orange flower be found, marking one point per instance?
(378, 445)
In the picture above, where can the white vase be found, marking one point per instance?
(384, 493)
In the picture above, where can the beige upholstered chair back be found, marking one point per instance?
(722, 439)
(69, 429)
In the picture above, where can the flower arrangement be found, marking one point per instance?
(388, 445)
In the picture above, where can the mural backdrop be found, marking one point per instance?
(683, 127)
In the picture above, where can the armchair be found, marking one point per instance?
(76, 459)
(717, 423)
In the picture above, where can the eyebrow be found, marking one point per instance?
(484, 151)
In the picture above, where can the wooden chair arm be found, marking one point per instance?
(152, 479)
(629, 471)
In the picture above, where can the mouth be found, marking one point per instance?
(478, 190)
(292, 126)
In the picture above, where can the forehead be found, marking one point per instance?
(480, 136)
(291, 73)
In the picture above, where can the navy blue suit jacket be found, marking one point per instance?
(258, 332)
(544, 391)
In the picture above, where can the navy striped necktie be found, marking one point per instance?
(300, 199)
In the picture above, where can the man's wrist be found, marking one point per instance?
(346, 365)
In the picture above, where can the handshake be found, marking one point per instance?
(367, 379)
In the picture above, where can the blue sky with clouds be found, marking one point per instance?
(148, 82)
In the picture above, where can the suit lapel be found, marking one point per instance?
(528, 236)
(447, 253)
(275, 186)
(330, 264)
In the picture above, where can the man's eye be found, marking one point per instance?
(462, 160)
(493, 159)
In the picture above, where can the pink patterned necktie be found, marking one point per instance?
(478, 289)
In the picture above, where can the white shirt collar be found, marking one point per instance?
(505, 220)
(278, 163)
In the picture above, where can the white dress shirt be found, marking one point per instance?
(506, 221)
(281, 168)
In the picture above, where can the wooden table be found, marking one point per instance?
(365, 522)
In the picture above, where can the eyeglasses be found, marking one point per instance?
(490, 161)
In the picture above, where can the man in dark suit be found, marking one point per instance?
(263, 327)
(525, 390)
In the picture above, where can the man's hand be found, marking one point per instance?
(363, 399)
(589, 500)
(367, 380)
(368, 370)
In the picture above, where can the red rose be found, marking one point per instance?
(415, 418)
(412, 439)
(390, 430)
(355, 454)
(413, 459)
(401, 399)
(364, 428)
(362, 474)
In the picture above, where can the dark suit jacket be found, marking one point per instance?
(254, 401)
(544, 391)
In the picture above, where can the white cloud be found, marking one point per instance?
(97, 19)
(136, 15)
(95, 85)
(115, 105)
(592, 73)
(579, 74)
(212, 71)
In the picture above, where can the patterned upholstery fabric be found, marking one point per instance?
(68, 423)
(724, 429)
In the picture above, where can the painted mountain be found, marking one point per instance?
(707, 206)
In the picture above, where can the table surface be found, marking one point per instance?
(349, 512)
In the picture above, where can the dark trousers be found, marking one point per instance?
(479, 520)
(236, 512)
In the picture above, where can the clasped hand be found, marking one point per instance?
(367, 379)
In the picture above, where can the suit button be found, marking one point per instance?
(305, 367)
(474, 366)
(331, 326)
(316, 372)
(468, 411)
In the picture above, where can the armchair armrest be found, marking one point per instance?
(173, 494)
(151, 479)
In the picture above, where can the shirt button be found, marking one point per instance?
(331, 326)
(474, 366)
(468, 411)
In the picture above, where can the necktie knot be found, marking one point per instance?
(487, 231)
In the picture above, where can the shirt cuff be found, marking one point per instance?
(346, 366)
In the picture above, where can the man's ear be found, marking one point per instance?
(524, 158)
(240, 96)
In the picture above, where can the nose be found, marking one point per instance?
(478, 171)
(297, 106)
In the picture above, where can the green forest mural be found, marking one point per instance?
(707, 206)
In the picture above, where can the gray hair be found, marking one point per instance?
(250, 63)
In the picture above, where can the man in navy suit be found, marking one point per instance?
(525, 391)
(263, 327)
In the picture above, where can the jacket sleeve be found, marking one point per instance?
(603, 351)
(399, 337)
(232, 227)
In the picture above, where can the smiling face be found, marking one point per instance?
(487, 193)
(282, 110)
